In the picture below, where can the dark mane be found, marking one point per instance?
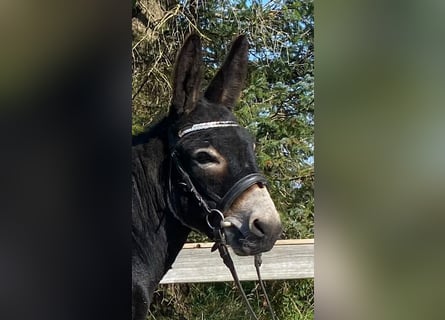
(151, 245)
(153, 131)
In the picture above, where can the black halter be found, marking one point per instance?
(215, 216)
(222, 203)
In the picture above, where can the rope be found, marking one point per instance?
(220, 244)
(258, 263)
(224, 253)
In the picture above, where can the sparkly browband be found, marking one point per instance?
(207, 125)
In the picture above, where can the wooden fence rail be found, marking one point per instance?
(289, 259)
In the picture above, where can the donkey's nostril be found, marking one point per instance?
(257, 228)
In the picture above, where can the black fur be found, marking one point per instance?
(158, 234)
(154, 247)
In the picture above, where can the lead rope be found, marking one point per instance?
(258, 262)
(220, 244)
(225, 255)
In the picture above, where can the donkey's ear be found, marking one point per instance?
(187, 77)
(226, 86)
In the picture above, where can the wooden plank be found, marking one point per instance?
(279, 242)
(289, 259)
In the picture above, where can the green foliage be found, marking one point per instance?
(277, 106)
(291, 300)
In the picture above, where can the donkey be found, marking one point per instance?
(193, 166)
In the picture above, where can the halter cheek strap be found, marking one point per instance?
(224, 203)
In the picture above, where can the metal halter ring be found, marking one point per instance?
(213, 211)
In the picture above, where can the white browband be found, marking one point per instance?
(207, 125)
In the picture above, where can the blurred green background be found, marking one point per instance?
(380, 149)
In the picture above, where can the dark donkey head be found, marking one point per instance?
(213, 157)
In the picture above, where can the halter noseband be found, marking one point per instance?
(222, 203)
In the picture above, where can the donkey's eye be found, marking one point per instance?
(203, 157)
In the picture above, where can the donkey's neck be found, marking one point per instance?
(157, 236)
